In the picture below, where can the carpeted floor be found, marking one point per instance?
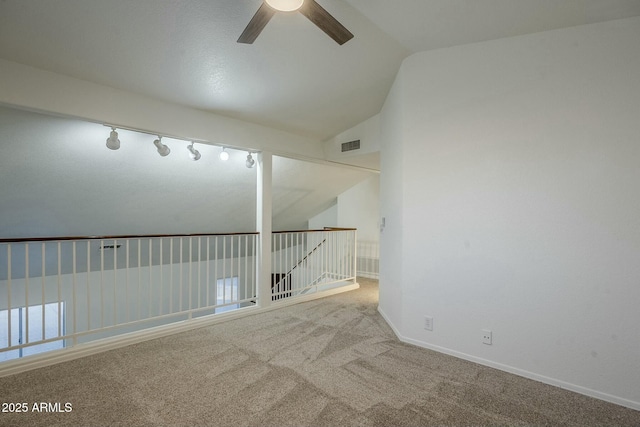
(329, 362)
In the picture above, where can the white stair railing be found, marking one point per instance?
(61, 292)
(58, 292)
(312, 260)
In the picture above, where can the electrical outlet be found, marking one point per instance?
(487, 336)
(428, 323)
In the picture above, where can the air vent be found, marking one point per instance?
(351, 145)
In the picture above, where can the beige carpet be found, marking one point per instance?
(330, 362)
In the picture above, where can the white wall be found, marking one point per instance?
(358, 207)
(326, 218)
(391, 266)
(509, 184)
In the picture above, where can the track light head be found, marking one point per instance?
(224, 155)
(250, 161)
(193, 153)
(113, 143)
(163, 150)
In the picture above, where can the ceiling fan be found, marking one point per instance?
(309, 8)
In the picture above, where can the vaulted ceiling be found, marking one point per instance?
(294, 78)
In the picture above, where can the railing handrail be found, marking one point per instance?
(314, 231)
(117, 237)
(152, 236)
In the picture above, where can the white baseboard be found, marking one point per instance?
(53, 357)
(513, 370)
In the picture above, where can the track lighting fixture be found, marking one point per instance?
(250, 161)
(163, 150)
(113, 143)
(193, 153)
(224, 155)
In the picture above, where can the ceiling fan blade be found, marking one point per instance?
(257, 24)
(327, 23)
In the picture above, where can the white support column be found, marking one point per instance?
(264, 227)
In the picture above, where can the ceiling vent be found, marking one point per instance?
(351, 145)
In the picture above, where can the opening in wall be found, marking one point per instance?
(226, 293)
(37, 322)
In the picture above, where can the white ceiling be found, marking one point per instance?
(294, 77)
(421, 25)
(58, 178)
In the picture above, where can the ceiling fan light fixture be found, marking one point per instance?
(285, 5)
(309, 8)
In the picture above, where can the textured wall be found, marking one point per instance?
(517, 164)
